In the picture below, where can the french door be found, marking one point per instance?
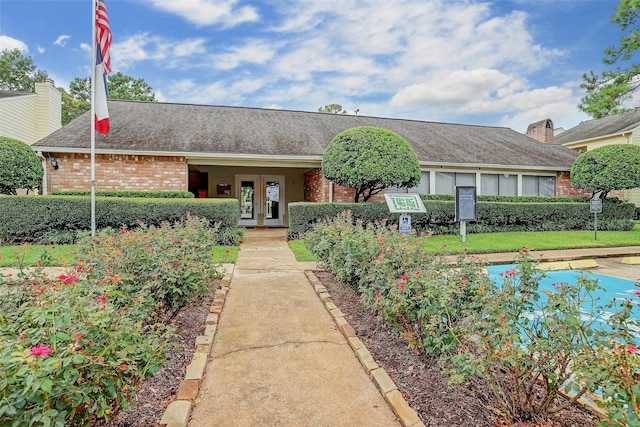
(261, 200)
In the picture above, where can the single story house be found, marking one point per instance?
(268, 158)
(623, 128)
(29, 117)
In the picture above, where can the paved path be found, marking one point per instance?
(278, 358)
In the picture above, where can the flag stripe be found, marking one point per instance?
(103, 35)
(101, 93)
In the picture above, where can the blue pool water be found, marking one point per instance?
(614, 287)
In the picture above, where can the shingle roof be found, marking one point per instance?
(609, 125)
(196, 129)
(13, 93)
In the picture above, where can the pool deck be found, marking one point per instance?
(623, 262)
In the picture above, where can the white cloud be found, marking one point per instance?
(209, 12)
(61, 40)
(9, 43)
(145, 47)
(252, 51)
(40, 49)
(456, 89)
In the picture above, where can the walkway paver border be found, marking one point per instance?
(383, 382)
(178, 412)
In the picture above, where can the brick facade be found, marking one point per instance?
(117, 172)
(317, 189)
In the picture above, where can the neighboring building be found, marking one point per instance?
(623, 128)
(269, 158)
(29, 117)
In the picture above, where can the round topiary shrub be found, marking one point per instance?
(20, 167)
(370, 159)
(612, 167)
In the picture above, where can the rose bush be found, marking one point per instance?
(531, 351)
(74, 348)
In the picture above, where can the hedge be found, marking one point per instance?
(546, 215)
(122, 193)
(29, 218)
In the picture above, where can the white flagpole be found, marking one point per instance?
(93, 119)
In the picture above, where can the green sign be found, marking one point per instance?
(404, 203)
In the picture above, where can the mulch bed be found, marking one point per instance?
(418, 377)
(157, 392)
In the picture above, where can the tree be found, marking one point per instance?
(332, 109)
(18, 72)
(612, 167)
(20, 167)
(370, 159)
(121, 86)
(607, 92)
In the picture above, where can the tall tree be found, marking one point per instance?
(607, 92)
(332, 109)
(18, 72)
(121, 86)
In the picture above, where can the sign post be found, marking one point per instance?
(466, 208)
(595, 206)
(404, 204)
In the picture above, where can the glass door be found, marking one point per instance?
(261, 200)
(273, 200)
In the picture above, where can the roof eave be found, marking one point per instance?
(595, 138)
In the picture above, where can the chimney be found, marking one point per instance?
(541, 131)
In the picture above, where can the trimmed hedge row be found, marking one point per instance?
(492, 216)
(29, 218)
(122, 193)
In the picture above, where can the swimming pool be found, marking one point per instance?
(614, 287)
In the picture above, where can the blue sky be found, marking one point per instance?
(497, 63)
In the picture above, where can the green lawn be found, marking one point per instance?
(512, 242)
(62, 255)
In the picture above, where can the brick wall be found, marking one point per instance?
(118, 172)
(564, 188)
(316, 189)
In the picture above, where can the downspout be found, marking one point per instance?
(330, 191)
(43, 159)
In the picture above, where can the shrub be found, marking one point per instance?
(529, 346)
(68, 354)
(73, 349)
(167, 266)
(20, 167)
(370, 159)
(28, 218)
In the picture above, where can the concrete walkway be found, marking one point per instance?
(278, 358)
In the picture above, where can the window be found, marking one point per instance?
(422, 188)
(445, 182)
(489, 184)
(508, 185)
(538, 185)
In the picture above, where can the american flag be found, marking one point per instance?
(103, 35)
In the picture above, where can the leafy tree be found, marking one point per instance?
(332, 109)
(20, 167)
(121, 86)
(370, 159)
(612, 167)
(18, 72)
(607, 92)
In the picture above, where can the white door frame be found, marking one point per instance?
(260, 205)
